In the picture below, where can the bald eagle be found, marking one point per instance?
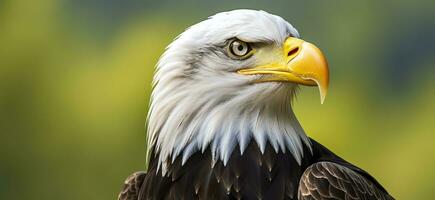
(221, 125)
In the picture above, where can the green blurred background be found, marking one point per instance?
(75, 79)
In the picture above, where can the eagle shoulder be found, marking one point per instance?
(329, 180)
(132, 185)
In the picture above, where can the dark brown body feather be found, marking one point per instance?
(253, 175)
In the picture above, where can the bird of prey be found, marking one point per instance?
(221, 124)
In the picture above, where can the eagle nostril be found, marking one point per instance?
(293, 51)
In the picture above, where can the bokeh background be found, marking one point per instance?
(75, 78)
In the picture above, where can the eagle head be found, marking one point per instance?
(228, 80)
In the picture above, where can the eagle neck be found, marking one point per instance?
(222, 124)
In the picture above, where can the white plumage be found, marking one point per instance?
(199, 102)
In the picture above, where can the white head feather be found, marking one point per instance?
(198, 100)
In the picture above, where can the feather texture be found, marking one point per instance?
(132, 186)
(327, 180)
(256, 175)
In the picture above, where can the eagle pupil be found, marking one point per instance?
(240, 47)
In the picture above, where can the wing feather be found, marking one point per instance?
(328, 180)
(132, 185)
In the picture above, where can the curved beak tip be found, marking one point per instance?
(322, 96)
(323, 90)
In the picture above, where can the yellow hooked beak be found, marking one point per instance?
(301, 62)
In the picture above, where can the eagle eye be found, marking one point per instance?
(239, 49)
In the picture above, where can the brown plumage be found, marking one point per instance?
(253, 175)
